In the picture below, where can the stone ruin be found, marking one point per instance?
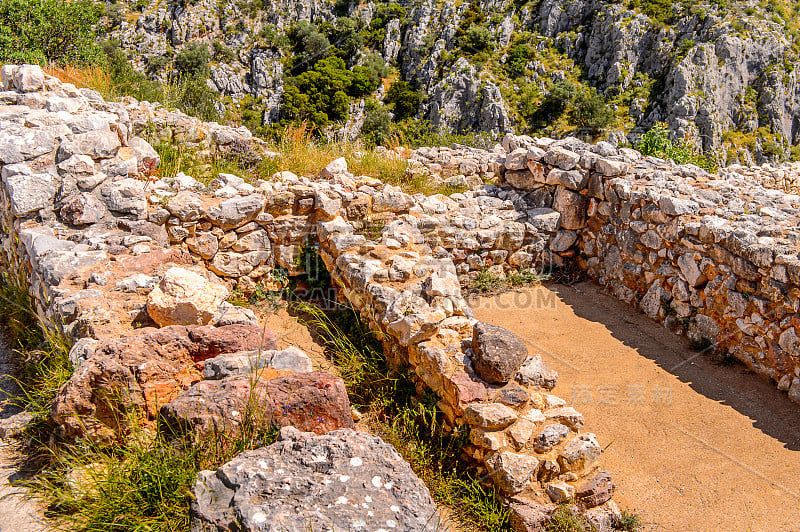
(135, 267)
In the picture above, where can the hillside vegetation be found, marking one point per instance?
(720, 74)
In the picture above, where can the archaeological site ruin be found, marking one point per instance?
(138, 268)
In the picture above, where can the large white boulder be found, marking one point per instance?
(185, 297)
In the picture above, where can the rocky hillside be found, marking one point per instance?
(721, 75)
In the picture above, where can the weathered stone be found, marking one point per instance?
(517, 159)
(512, 394)
(143, 371)
(551, 436)
(528, 516)
(236, 212)
(580, 453)
(184, 297)
(29, 192)
(566, 415)
(524, 179)
(690, 270)
(571, 179)
(355, 482)
(490, 416)
(497, 353)
(328, 203)
(314, 401)
(559, 491)
(512, 472)
(28, 78)
(485, 439)
(572, 207)
(84, 209)
(563, 241)
(334, 168)
(126, 196)
(545, 219)
(289, 359)
(534, 372)
(100, 144)
(229, 264)
(562, 158)
(520, 432)
(257, 240)
(610, 167)
(186, 206)
(229, 314)
(595, 491)
(677, 206)
(204, 244)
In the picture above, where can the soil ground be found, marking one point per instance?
(18, 513)
(691, 445)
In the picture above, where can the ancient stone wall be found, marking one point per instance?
(712, 257)
(109, 246)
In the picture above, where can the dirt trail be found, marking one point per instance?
(692, 446)
(17, 513)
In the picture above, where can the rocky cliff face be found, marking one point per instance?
(717, 76)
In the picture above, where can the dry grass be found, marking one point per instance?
(92, 77)
(303, 153)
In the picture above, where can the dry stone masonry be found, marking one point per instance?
(712, 256)
(135, 267)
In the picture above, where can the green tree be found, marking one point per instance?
(377, 123)
(320, 94)
(309, 46)
(591, 112)
(40, 31)
(346, 36)
(403, 99)
(193, 60)
(560, 97)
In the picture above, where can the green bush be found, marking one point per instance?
(346, 37)
(477, 39)
(591, 113)
(661, 11)
(375, 34)
(415, 133)
(559, 98)
(193, 60)
(41, 31)
(656, 143)
(517, 59)
(377, 123)
(271, 37)
(223, 54)
(197, 98)
(403, 100)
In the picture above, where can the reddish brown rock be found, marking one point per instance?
(528, 516)
(468, 389)
(143, 371)
(313, 402)
(212, 341)
(595, 491)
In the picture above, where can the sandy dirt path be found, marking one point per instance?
(691, 445)
(17, 513)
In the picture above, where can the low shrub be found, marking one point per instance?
(656, 142)
(45, 31)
